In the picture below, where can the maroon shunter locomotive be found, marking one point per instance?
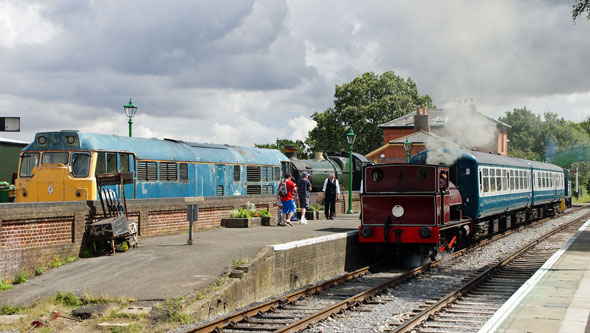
(415, 208)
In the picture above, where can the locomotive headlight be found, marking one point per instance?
(397, 211)
(70, 139)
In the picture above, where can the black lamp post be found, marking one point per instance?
(407, 147)
(130, 110)
(350, 139)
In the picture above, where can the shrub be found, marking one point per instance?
(56, 262)
(122, 247)
(68, 299)
(264, 213)
(40, 271)
(315, 207)
(21, 277)
(4, 285)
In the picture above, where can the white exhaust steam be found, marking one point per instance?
(464, 129)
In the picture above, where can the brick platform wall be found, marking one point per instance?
(34, 234)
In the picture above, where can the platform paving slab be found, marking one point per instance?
(556, 298)
(166, 267)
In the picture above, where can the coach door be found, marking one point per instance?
(220, 179)
(127, 164)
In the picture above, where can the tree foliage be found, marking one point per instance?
(363, 104)
(579, 8)
(302, 150)
(537, 138)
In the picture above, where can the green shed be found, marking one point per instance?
(9, 151)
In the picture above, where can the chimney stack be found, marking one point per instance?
(421, 121)
(291, 152)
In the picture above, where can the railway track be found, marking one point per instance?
(470, 306)
(301, 309)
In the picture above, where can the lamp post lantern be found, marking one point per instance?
(130, 110)
(407, 147)
(350, 139)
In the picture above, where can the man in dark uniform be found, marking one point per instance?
(331, 190)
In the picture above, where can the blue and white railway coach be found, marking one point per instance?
(453, 198)
(62, 166)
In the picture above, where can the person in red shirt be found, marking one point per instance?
(288, 200)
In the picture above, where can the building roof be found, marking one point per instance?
(420, 138)
(437, 118)
(15, 142)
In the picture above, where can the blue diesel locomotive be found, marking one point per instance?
(432, 207)
(62, 166)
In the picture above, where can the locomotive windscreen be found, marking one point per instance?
(400, 178)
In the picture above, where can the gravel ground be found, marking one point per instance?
(409, 296)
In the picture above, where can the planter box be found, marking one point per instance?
(310, 215)
(265, 221)
(241, 222)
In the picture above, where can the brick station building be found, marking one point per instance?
(432, 126)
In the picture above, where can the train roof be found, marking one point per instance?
(489, 158)
(156, 149)
(543, 165)
(485, 158)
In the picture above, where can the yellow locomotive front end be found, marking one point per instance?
(51, 169)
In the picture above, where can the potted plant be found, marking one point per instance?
(241, 218)
(312, 212)
(264, 217)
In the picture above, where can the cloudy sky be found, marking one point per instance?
(245, 72)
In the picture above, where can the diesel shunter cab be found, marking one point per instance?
(413, 205)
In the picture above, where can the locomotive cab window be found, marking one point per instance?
(27, 163)
(80, 164)
(55, 158)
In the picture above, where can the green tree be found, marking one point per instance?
(535, 138)
(579, 8)
(302, 150)
(363, 104)
(525, 134)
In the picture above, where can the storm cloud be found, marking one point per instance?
(244, 72)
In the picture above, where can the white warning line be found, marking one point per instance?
(310, 241)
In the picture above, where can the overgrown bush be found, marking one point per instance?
(21, 277)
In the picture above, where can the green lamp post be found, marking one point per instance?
(407, 147)
(350, 139)
(130, 110)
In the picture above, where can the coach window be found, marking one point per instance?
(492, 180)
(480, 181)
(237, 172)
(504, 180)
(112, 163)
(55, 158)
(511, 179)
(183, 172)
(124, 161)
(486, 180)
(80, 164)
(27, 163)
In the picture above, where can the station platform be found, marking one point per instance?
(167, 267)
(556, 298)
